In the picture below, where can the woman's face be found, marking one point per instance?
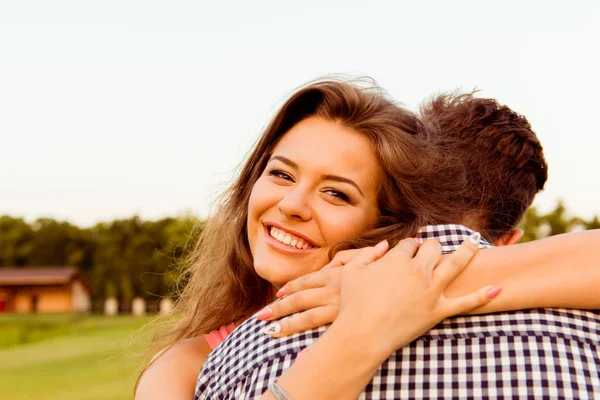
(319, 188)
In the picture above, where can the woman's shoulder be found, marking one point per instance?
(173, 371)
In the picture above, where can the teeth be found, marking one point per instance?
(288, 239)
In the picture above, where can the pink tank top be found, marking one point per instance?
(214, 338)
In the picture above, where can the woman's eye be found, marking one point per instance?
(337, 194)
(281, 174)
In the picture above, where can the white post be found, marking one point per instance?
(111, 307)
(138, 307)
(165, 305)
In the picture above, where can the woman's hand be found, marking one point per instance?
(384, 305)
(313, 300)
(394, 300)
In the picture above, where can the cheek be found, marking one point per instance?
(344, 226)
(260, 201)
(257, 198)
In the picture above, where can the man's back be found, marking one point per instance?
(548, 353)
(545, 353)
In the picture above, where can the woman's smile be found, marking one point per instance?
(286, 241)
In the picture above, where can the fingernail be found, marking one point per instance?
(272, 329)
(280, 292)
(419, 241)
(265, 313)
(475, 238)
(493, 292)
(381, 246)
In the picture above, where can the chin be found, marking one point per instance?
(276, 275)
(279, 269)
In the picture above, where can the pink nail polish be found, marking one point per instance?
(280, 292)
(265, 313)
(493, 292)
(381, 246)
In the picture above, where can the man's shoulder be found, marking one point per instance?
(580, 325)
(248, 342)
(541, 353)
(246, 349)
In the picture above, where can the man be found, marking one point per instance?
(535, 353)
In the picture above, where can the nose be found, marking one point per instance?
(296, 205)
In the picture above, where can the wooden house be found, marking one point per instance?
(43, 290)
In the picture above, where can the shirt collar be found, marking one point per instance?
(450, 236)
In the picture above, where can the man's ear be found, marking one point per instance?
(511, 237)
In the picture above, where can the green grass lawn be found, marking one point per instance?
(69, 357)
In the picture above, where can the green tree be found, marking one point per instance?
(15, 242)
(558, 220)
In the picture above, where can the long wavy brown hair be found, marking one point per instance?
(221, 283)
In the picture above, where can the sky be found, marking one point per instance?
(114, 108)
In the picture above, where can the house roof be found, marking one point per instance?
(37, 276)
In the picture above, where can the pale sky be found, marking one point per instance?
(115, 108)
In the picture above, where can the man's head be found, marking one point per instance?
(503, 160)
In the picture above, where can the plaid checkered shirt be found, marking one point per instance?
(541, 354)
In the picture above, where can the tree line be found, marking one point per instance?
(123, 258)
(132, 257)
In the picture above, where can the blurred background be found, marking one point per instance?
(121, 121)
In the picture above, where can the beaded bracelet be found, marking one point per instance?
(278, 391)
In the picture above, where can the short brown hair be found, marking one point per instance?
(502, 157)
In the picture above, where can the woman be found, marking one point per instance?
(338, 163)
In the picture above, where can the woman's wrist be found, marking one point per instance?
(339, 365)
(364, 340)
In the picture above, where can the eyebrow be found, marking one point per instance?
(284, 160)
(335, 178)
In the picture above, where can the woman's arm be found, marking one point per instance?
(173, 372)
(338, 366)
(559, 271)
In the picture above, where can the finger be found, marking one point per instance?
(368, 255)
(345, 256)
(342, 258)
(308, 281)
(428, 255)
(406, 248)
(469, 302)
(457, 262)
(300, 301)
(381, 248)
(306, 320)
